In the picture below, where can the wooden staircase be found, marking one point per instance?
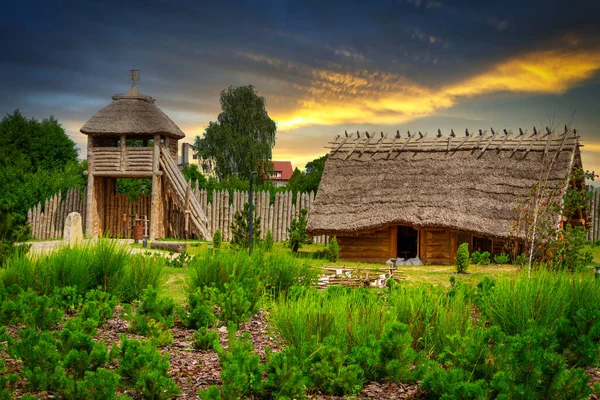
(183, 193)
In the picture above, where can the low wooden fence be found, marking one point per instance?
(47, 219)
(594, 210)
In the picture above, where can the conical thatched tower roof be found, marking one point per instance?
(467, 183)
(132, 114)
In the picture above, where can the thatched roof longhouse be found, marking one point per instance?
(468, 183)
(130, 114)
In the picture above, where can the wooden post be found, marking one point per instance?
(123, 155)
(226, 219)
(155, 207)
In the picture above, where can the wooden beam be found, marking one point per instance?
(522, 135)
(366, 143)
(421, 140)
(123, 154)
(394, 142)
(126, 174)
(488, 143)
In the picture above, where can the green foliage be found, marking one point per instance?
(12, 230)
(568, 251)
(153, 317)
(241, 369)
(334, 250)
(268, 242)
(242, 138)
(205, 339)
(297, 235)
(37, 161)
(147, 368)
(7, 382)
(134, 187)
(81, 353)
(193, 175)
(481, 258)
(309, 180)
(180, 261)
(40, 356)
(240, 228)
(285, 375)
(217, 238)
(332, 374)
(98, 385)
(462, 258)
(103, 264)
(200, 313)
(502, 258)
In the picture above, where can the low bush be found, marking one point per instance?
(153, 318)
(200, 311)
(462, 258)
(147, 369)
(502, 258)
(334, 250)
(181, 260)
(481, 258)
(241, 370)
(205, 339)
(217, 238)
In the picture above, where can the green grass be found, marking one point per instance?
(176, 283)
(595, 250)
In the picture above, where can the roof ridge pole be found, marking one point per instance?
(489, 142)
(421, 139)
(366, 142)
(550, 137)
(342, 143)
(355, 146)
(506, 136)
(565, 136)
(522, 135)
(438, 136)
(535, 138)
(452, 135)
(407, 141)
(379, 142)
(462, 141)
(394, 142)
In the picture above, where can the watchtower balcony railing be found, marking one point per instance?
(119, 160)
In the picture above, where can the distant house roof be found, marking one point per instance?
(467, 183)
(284, 168)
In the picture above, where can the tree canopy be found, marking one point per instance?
(310, 179)
(37, 160)
(242, 138)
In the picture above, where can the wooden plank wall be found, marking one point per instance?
(375, 247)
(438, 246)
(47, 219)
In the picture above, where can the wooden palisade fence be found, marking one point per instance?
(594, 210)
(47, 219)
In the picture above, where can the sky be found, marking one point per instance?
(323, 67)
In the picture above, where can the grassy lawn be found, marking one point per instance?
(175, 283)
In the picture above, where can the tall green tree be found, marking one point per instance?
(242, 138)
(37, 160)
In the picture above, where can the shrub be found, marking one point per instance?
(297, 235)
(107, 263)
(205, 339)
(80, 353)
(334, 250)
(141, 272)
(268, 242)
(40, 357)
(240, 228)
(147, 368)
(481, 258)
(200, 313)
(502, 258)
(217, 238)
(180, 261)
(462, 258)
(285, 375)
(153, 317)
(241, 369)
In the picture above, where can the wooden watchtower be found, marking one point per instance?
(133, 138)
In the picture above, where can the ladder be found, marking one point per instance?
(183, 194)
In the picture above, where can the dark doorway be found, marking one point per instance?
(482, 244)
(407, 242)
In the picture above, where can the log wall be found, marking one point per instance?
(374, 247)
(438, 246)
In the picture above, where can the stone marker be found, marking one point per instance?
(73, 232)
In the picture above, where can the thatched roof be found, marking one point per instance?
(132, 113)
(468, 183)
